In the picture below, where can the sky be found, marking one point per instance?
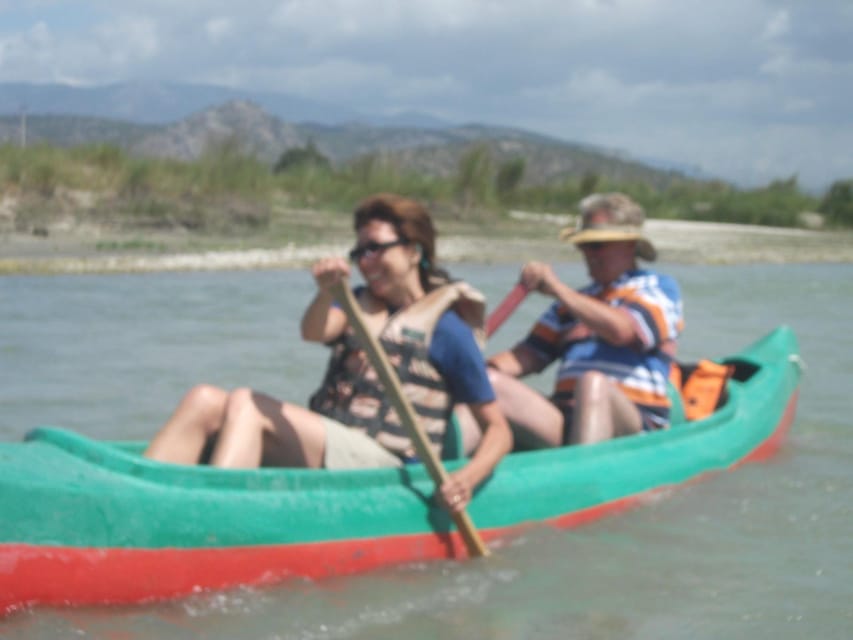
(747, 90)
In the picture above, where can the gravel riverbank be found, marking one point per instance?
(677, 241)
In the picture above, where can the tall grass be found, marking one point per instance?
(227, 186)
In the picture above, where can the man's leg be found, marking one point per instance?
(602, 411)
(536, 422)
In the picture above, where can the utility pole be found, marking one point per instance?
(23, 126)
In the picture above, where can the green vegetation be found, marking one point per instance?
(228, 191)
(474, 184)
(838, 203)
(302, 157)
(508, 178)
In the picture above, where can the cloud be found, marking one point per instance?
(218, 28)
(778, 26)
(128, 41)
(691, 78)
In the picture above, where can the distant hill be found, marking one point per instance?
(429, 148)
(68, 131)
(257, 132)
(164, 103)
(546, 159)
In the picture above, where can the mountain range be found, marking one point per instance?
(181, 121)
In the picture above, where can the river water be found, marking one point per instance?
(765, 551)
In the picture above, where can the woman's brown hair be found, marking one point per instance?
(413, 223)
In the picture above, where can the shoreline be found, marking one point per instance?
(677, 241)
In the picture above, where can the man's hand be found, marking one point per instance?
(538, 276)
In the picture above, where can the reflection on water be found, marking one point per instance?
(761, 552)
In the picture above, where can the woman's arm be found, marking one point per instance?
(323, 322)
(496, 443)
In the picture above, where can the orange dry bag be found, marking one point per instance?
(705, 388)
(702, 386)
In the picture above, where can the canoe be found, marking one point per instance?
(92, 522)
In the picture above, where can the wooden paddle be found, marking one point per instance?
(404, 409)
(505, 308)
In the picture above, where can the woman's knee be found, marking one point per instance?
(205, 404)
(205, 395)
(240, 404)
(205, 398)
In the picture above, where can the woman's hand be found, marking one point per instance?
(456, 492)
(322, 322)
(328, 272)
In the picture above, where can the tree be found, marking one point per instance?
(589, 182)
(474, 180)
(837, 204)
(509, 177)
(301, 157)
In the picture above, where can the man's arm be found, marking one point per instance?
(612, 324)
(517, 362)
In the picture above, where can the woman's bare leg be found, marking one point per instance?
(261, 429)
(197, 417)
(602, 411)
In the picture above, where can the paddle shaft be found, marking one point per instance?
(509, 304)
(404, 409)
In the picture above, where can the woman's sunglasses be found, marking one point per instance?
(373, 249)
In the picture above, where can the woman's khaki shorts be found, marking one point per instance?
(348, 448)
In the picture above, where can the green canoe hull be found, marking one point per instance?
(90, 522)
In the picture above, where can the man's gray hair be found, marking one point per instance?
(621, 208)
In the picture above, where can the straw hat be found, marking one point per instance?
(610, 217)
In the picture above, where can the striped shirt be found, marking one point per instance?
(641, 370)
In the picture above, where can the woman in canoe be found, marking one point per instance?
(422, 319)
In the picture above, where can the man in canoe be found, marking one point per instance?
(423, 321)
(614, 338)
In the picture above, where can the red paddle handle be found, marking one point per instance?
(505, 308)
